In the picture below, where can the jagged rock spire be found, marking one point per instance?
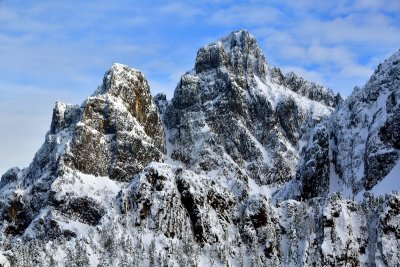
(237, 51)
(230, 108)
(117, 130)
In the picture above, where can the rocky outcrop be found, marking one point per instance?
(161, 102)
(115, 133)
(314, 168)
(83, 209)
(311, 90)
(120, 130)
(229, 113)
(363, 145)
(389, 133)
(10, 176)
(243, 167)
(18, 215)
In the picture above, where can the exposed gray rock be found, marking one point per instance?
(363, 133)
(257, 172)
(314, 168)
(311, 90)
(120, 130)
(18, 215)
(161, 102)
(10, 176)
(83, 209)
(231, 114)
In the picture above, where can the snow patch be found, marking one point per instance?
(264, 190)
(390, 183)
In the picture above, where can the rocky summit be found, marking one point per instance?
(244, 166)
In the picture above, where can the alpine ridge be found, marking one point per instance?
(244, 166)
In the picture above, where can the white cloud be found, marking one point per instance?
(180, 9)
(371, 29)
(246, 15)
(13, 20)
(338, 55)
(367, 5)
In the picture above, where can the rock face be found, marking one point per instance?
(312, 90)
(244, 166)
(314, 169)
(230, 114)
(117, 131)
(360, 144)
(9, 177)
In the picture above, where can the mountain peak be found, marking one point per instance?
(387, 70)
(238, 51)
(120, 79)
(131, 86)
(241, 38)
(119, 124)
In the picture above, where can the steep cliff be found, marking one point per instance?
(229, 114)
(358, 146)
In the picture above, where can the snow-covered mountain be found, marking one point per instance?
(357, 148)
(244, 166)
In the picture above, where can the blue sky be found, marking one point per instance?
(59, 50)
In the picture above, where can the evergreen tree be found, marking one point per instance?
(103, 262)
(160, 259)
(124, 262)
(81, 257)
(152, 251)
(70, 257)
